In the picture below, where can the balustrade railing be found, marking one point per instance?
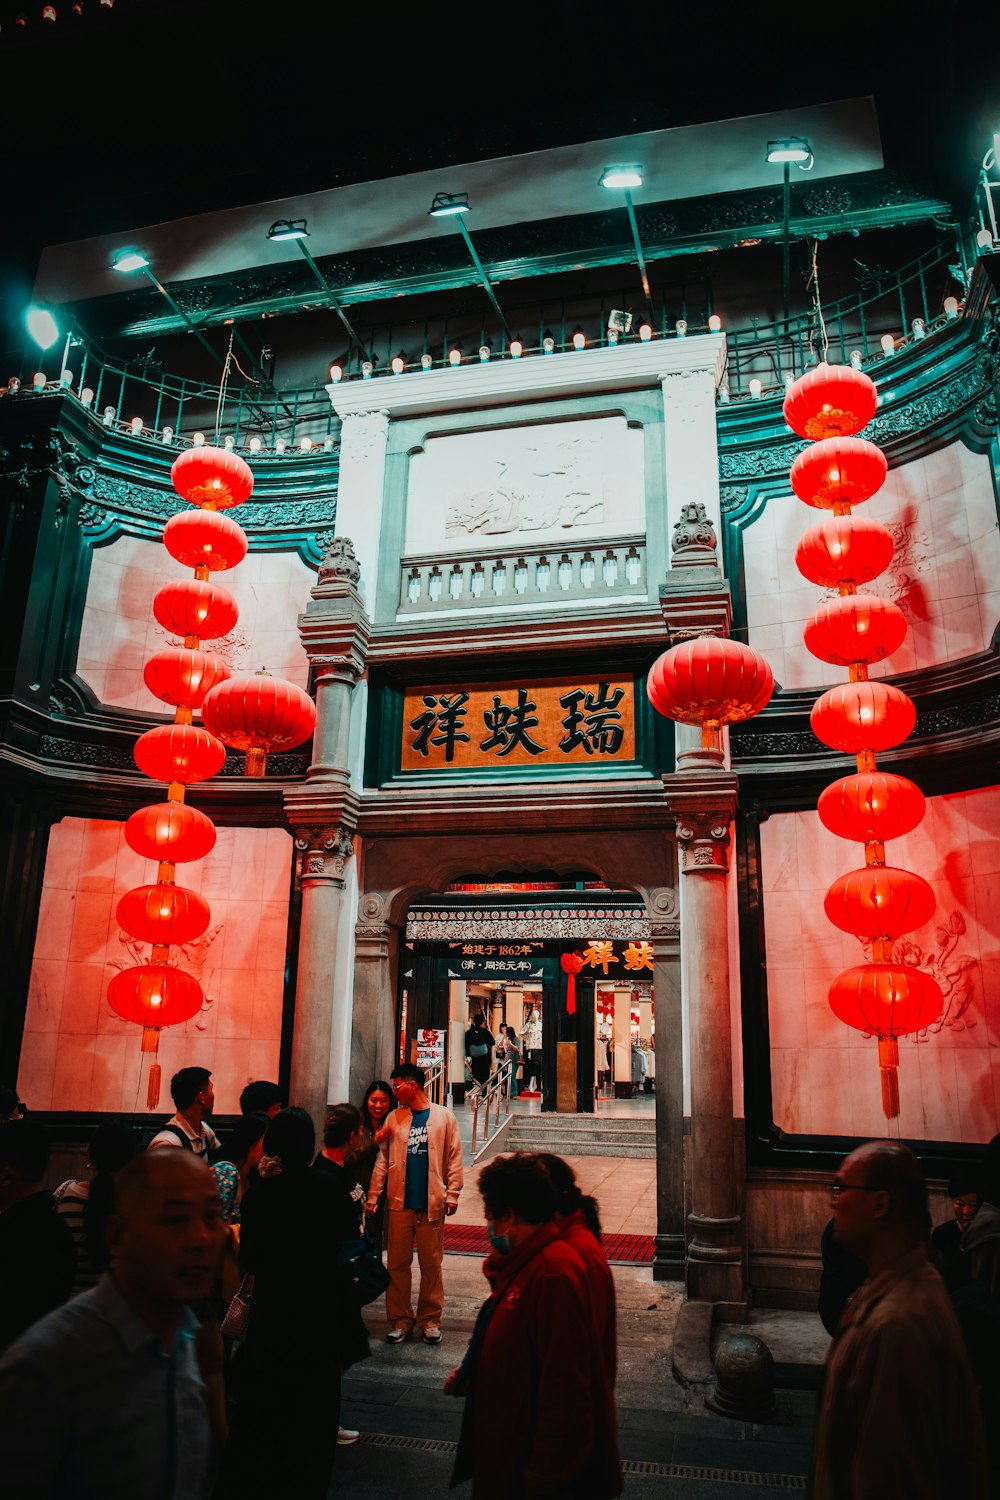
(489, 1103)
(473, 579)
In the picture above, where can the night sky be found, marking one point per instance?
(159, 108)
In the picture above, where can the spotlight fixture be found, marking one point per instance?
(446, 205)
(783, 153)
(793, 148)
(625, 175)
(129, 258)
(288, 229)
(41, 325)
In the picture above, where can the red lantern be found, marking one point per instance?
(888, 1000)
(182, 677)
(839, 471)
(855, 628)
(863, 716)
(871, 807)
(259, 714)
(879, 901)
(163, 914)
(205, 539)
(212, 477)
(571, 964)
(189, 607)
(830, 401)
(155, 995)
(170, 831)
(844, 549)
(179, 752)
(709, 681)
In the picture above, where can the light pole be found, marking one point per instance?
(456, 205)
(793, 149)
(625, 177)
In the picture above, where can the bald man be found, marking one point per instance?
(104, 1397)
(899, 1416)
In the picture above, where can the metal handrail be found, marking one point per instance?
(434, 1084)
(493, 1098)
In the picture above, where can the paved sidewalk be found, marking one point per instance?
(672, 1446)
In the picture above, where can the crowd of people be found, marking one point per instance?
(175, 1325)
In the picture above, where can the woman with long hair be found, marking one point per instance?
(579, 1225)
(376, 1107)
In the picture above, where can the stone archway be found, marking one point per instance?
(396, 871)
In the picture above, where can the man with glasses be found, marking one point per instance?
(420, 1157)
(898, 1415)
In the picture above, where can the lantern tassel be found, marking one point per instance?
(151, 1043)
(888, 1061)
(570, 994)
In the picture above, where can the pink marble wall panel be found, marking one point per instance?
(77, 1054)
(825, 1076)
(119, 634)
(945, 574)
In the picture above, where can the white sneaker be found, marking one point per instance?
(347, 1435)
(395, 1336)
(432, 1334)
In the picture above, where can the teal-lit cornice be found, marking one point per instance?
(543, 248)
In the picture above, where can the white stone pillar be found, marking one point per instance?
(691, 443)
(360, 486)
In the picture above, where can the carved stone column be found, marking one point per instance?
(363, 440)
(325, 851)
(374, 1041)
(323, 814)
(715, 1253)
(669, 1086)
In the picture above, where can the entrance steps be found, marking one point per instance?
(583, 1135)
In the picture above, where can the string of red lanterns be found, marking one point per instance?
(158, 993)
(256, 718)
(879, 903)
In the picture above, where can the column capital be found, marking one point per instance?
(326, 850)
(704, 805)
(703, 840)
(360, 432)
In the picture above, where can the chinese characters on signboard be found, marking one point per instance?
(547, 723)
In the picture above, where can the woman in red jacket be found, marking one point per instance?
(534, 1355)
(577, 1222)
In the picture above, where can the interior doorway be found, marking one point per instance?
(500, 951)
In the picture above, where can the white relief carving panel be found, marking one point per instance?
(537, 485)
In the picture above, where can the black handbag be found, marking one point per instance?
(361, 1262)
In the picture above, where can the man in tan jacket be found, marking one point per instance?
(420, 1154)
(899, 1414)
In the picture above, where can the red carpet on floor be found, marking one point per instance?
(621, 1249)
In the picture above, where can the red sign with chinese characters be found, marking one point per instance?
(560, 721)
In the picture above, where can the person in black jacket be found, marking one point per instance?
(287, 1374)
(479, 1046)
(37, 1257)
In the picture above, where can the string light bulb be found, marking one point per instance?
(645, 332)
(579, 338)
(336, 374)
(715, 323)
(516, 348)
(426, 362)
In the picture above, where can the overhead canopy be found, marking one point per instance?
(691, 161)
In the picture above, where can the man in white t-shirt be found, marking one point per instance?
(194, 1098)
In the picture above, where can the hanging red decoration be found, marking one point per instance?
(205, 539)
(213, 478)
(844, 550)
(153, 996)
(871, 806)
(830, 401)
(879, 901)
(182, 677)
(170, 831)
(163, 913)
(855, 628)
(259, 714)
(889, 1001)
(838, 472)
(860, 716)
(571, 964)
(179, 752)
(710, 681)
(189, 607)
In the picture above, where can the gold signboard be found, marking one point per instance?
(557, 722)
